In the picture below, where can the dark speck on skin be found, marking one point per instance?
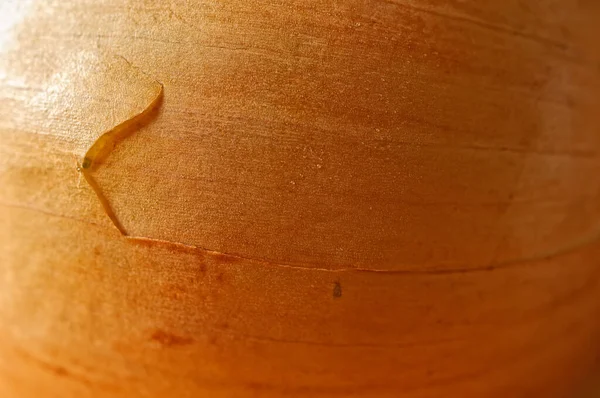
(86, 163)
(337, 290)
(169, 340)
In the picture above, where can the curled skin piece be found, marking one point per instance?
(105, 144)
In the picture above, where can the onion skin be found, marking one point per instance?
(332, 198)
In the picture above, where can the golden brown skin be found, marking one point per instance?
(335, 198)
